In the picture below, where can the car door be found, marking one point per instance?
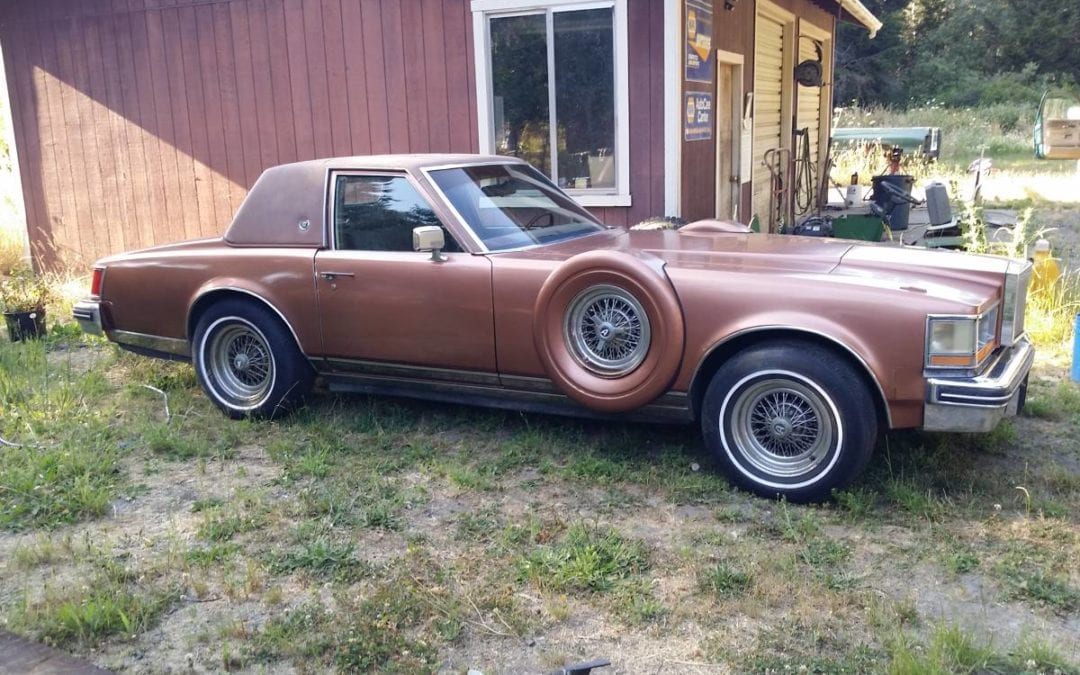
(380, 301)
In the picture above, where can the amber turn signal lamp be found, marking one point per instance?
(953, 361)
(964, 360)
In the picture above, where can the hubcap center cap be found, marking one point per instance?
(241, 362)
(606, 329)
(780, 428)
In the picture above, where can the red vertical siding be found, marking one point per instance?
(145, 121)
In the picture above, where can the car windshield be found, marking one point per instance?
(512, 206)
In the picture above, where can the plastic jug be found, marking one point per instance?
(1046, 271)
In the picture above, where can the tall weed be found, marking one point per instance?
(12, 247)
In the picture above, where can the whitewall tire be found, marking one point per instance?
(247, 362)
(789, 419)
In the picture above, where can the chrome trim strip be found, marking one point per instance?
(187, 319)
(410, 372)
(152, 342)
(807, 331)
(1002, 376)
(675, 408)
(544, 385)
(945, 397)
(525, 383)
(327, 225)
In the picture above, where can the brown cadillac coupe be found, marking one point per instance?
(475, 279)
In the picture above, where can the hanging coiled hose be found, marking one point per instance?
(804, 173)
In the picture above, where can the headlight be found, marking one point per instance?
(961, 341)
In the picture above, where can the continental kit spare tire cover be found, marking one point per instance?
(609, 330)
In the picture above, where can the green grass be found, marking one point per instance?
(92, 616)
(67, 469)
(586, 558)
(108, 599)
(725, 580)
(961, 561)
(213, 555)
(223, 523)
(951, 649)
(322, 559)
(1038, 564)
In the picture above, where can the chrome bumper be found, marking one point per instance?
(88, 314)
(978, 404)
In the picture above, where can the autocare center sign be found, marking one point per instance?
(698, 121)
(699, 65)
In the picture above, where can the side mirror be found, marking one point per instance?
(429, 238)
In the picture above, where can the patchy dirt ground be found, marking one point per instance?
(369, 535)
(938, 534)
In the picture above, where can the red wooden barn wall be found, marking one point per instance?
(140, 122)
(144, 121)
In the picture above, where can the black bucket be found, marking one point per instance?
(25, 325)
(888, 200)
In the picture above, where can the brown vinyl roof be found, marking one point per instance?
(413, 162)
(287, 204)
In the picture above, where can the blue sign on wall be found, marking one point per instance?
(699, 64)
(698, 119)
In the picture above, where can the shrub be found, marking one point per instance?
(24, 292)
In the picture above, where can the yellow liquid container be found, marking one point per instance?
(1045, 271)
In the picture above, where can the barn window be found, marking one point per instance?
(551, 83)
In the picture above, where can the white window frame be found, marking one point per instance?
(483, 10)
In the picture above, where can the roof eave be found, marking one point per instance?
(860, 14)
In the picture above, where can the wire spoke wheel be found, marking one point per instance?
(607, 331)
(783, 427)
(241, 363)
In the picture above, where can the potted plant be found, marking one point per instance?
(23, 297)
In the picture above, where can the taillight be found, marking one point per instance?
(95, 282)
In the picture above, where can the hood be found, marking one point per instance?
(731, 252)
(960, 282)
(972, 280)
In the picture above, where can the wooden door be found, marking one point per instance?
(728, 118)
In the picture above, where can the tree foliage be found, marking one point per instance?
(960, 52)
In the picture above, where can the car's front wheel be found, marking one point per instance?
(247, 361)
(789, 419)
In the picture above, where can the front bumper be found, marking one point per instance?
(978, 404)
(88, 314)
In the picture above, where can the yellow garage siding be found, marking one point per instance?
(809, 115)
(768, 106)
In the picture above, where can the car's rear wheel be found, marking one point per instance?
(247, 361)
(789, 419)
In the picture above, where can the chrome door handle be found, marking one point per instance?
(330, 276)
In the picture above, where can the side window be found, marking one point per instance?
(378, 213)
